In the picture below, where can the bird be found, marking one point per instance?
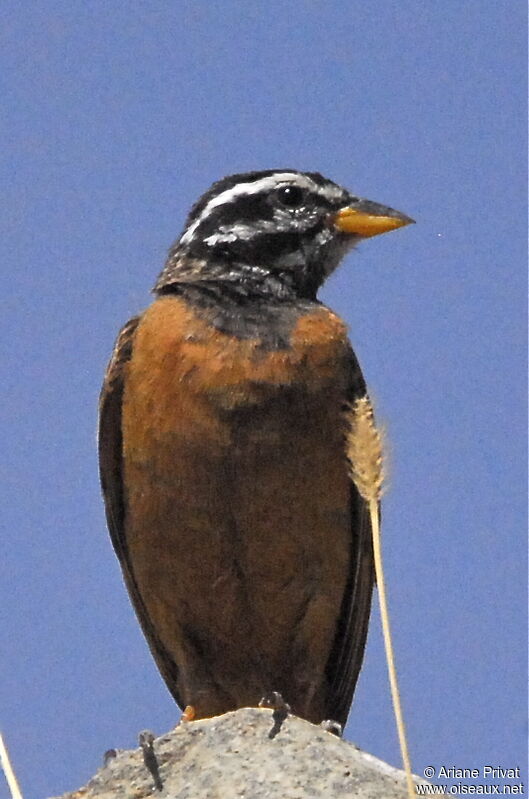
(243, 542)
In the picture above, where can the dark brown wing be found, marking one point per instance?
(110, 470)
(347, 654)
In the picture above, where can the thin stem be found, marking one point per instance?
(390, 657)
(8, 771)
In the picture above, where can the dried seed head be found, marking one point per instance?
(365, 450)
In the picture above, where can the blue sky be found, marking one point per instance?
(115, 117)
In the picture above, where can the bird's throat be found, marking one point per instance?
(264, 311)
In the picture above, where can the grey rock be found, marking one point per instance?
(233, 757)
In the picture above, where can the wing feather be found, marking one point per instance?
(111, 475)
(345, 661)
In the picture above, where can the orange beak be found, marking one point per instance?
(367, 219)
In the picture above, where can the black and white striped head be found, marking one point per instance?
(277, 227)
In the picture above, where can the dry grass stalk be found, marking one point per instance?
(365, 450)
(8, 771)
(366, 457)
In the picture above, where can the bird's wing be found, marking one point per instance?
(111, 475)
(345, 661)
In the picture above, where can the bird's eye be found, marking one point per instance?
(291, 196)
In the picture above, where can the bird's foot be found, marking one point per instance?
(146, 741)
(275, 702)
(332, 726)
(189, 713)
(109, 755)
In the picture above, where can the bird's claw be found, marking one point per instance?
(189, 713)
(274, 701)
(332, 726)
(146, 741)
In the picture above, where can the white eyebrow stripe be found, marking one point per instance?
(270, 182)
(239, 232)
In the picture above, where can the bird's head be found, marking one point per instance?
(277, 231)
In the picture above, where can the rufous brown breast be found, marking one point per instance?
(237, 519)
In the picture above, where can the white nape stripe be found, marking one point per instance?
(328, 191)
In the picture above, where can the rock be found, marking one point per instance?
(234, 757)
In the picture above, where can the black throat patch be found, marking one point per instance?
(267, 321)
